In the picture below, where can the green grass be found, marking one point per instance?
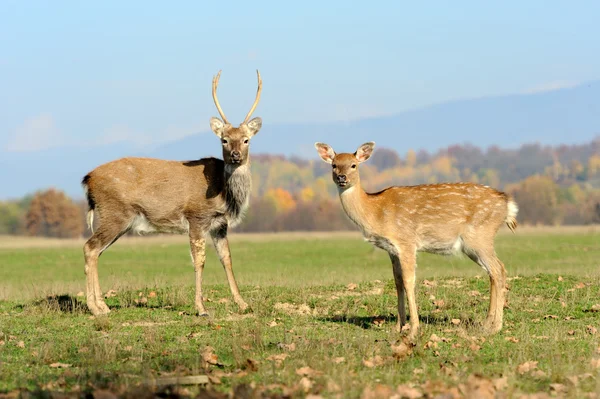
(297, 289)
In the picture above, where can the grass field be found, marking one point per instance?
(323, 311)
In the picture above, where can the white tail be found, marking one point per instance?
(205, 196)
(437, 218)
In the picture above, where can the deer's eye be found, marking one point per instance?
(353, 166)
(246, 141)
(334, 166)
(224, 141)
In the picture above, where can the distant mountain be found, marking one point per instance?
(566, 116)
(554, 117)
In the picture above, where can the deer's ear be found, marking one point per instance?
(217, 126)
(254, 125)
(364, 151)
(325, 152)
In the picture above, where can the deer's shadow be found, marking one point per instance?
(63, 303)
(368, 322)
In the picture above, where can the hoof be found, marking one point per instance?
(99, 312)
(243, 307)
(491, 327)
(104, 309)
(203, 313)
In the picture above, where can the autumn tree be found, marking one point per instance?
(385, 158)
(537, 197)
(52, 214)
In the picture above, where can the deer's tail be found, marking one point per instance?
(511, 217)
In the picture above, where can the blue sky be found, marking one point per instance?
(84, 74)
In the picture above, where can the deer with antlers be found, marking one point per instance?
(201, 197)
(437, 218)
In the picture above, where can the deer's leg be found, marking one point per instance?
(488, 260)
(408, 264)
(399, 290)
(198, 251)
(103, 238)
(219, 237)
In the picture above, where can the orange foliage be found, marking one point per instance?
(284, 202)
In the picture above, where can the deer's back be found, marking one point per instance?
(162, 191)
(437, 215)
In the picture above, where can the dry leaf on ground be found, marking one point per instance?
(209, 356)
(501, 383)
(405, 391)
(455, 321)
(278, 359)
(305, 384)
(559, 388)
(351, 286)
(374, 361)
(479, 387)
(591, 330)
(379, 391)
(526, 367)
(439, 303)
(307, 371)
(59, 365)
(251, 364)
(401, 350)
(288, 347)
(21, 344)
(474, 347)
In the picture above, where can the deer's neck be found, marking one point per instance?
(356, 203)
(238, 185)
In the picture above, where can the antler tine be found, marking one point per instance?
(257, 97)
(215, 83)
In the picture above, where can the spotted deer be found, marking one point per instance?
(201, 197)
(435, 218)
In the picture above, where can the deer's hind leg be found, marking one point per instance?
(198, 251)
(485, 256)
(107, 233)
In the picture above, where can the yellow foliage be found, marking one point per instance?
(594, 166)
(307, 194)
(411, 158)
(283, 200)
(443, 164)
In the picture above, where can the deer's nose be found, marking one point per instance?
(341, 178)
(236, 155)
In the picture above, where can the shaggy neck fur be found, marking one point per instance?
(238, 185)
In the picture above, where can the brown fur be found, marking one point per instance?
(200, 197)
(437, 218)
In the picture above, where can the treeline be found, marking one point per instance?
(552, 185)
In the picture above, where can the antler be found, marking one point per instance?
(257, 98)
(215, 83)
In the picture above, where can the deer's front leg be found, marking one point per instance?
(198, 250)
(219, 237)
(399, 290)
(408, 263)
